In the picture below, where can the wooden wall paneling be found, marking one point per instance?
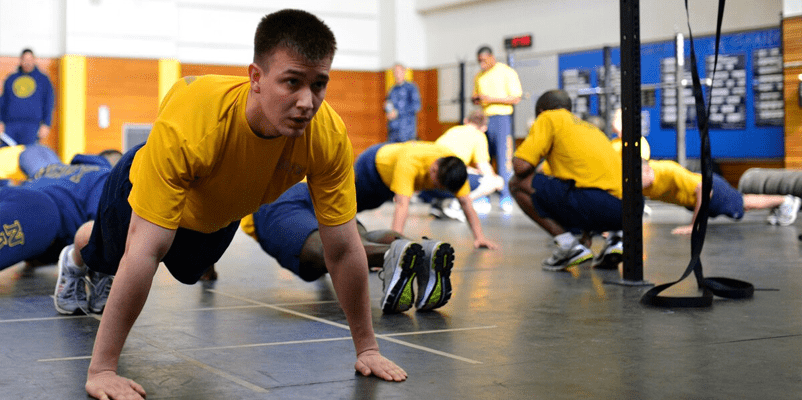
(792, 53)
(358, 97)
(129, 88)
(204, 69)
(429, 127)
(48, 66)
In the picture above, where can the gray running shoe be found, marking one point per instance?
(434, 282)
(70, 294)
(565, 258)
(612, 253)
(99, 287)
(401, 263)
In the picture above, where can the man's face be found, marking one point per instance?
(288, 92)
(486, 61)
(400, 74)
(27, 62)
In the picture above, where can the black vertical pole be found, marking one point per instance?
(461, 91)
(631, 136)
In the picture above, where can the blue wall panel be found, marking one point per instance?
(749, 140)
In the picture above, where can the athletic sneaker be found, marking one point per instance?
(453, 210)
(434, 282)
(612, 253)
(565, 258)
(772, 219)
(786, 213)
(506, 205)
(70, 294)
(401, 262)
(99, 286)
(482, 205)
(436, 210)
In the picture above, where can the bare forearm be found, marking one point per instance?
(348, 268)
(400, 213)
(126, 299)
(472, 217)
(349, 276)
(509, 100)
(698, 205)
(522, 168)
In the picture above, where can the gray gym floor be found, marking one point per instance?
(510, 331)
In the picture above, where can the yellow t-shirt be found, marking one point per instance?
(9, 163)
(499, 81)
(574, 150)
(645, 149)
(404, 167)
(248, 226)
(467, 142)
(673, 183)
(203, 167)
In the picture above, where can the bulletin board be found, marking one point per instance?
(746, 114)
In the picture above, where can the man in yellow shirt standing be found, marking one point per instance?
(497, 89)
(221, 147)
(583, 193)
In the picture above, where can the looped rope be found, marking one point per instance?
(722, 287)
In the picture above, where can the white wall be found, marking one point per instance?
(193, 31)
(792, 8)
(455, 29)
(372, 34)
(40, 30)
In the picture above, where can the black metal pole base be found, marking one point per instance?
(625, 282)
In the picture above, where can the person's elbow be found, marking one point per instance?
(521, 168)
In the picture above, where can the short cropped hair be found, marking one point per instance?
(478, 117)
(484, 50)
(553, 100)
(451, 173)
(26, 51)
(295, 30)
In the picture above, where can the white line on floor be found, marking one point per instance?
(325, 321)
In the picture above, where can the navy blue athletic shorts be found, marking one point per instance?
(576, 209)
(726, 200)
(283, 226)
(29, 224)
(190, 255)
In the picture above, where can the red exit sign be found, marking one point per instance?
(518, 42)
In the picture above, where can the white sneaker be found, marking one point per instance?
(482, 206)
(565, 258)
(786, 213)
(453, 210)
(506, 205)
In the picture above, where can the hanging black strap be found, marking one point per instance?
(723, 287)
